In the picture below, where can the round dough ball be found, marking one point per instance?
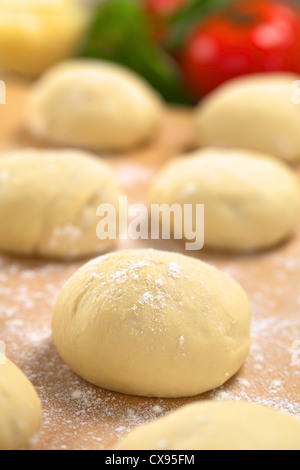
(35, 34)
(49, 200)
(97, 105)
(217, 426)
(20, 408)
(152, 323)
(254, 112)
(251, 200)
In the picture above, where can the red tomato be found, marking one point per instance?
(248, 36)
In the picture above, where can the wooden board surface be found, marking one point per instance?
(78, 415)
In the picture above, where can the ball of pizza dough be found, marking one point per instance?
(251, 200)
(152, 323)
(35, 34)
(20, 408)
(212, 425)
(96, 105)
(49, 200)
(254, 112)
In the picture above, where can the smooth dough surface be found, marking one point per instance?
(35, 34)
(152, 323)
(96, 105)
(49, 200)
(252, 201)
(255, 112)
(20, 408)
(212, 425)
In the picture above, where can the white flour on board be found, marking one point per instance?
(91, 416)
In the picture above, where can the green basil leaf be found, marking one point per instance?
(120, 32)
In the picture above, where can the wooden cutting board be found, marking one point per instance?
(78, 415)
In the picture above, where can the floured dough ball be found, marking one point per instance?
(255, 112)
(152, 323)
(95, 105)
(34, 34)
(251, 200)
(217, 426)
(49, 200)
(20, 408)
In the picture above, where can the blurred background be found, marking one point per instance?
(184, 48)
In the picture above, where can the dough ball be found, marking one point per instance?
(152, 323)
(49, 200)
(20, 408)
(252, 201)
(35, 34)
(217, 426)
(255, 112)
(95, 105)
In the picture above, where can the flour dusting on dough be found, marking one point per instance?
(77, 412)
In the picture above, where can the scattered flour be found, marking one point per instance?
(157, 409)
(79, 414)
(174, 270)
